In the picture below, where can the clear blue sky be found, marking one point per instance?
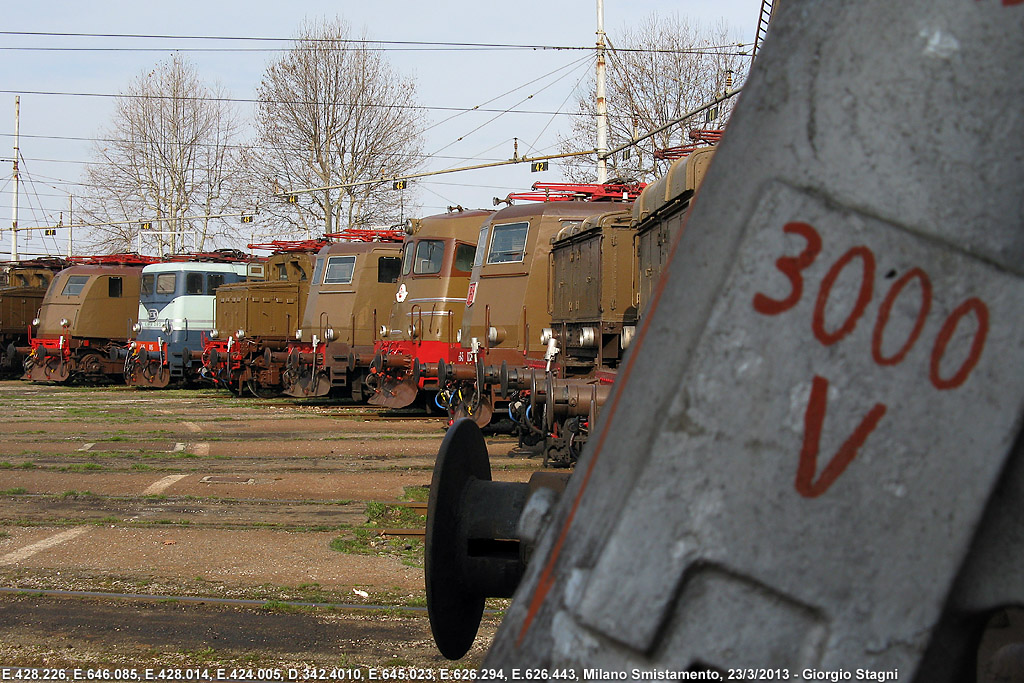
(56, 129)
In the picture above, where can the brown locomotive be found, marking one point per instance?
(602, 269)
(427, 310)
(85, 318)
(25, 284)
(258, 318)
(349, 298)
(510, 296)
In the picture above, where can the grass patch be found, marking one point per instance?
(106, 521)
(279, 607)
(416, 493)
(81, 467)
(17, 491)
(367, 539)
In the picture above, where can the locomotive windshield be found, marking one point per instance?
(429, 257)
(165, 283)
(74, 285)
(508, 243)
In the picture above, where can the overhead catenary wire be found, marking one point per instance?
(457, 111)
(480, 106)
(523, 160)
(508, 111)
(362, 42)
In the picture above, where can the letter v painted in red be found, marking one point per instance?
(814, 418)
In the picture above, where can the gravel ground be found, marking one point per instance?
(197, 493)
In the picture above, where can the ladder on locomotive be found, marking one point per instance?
(763, 19)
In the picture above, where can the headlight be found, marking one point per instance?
(239, 334)
(64, 322)
(329, 334)
(298, 335)
(546, 335)
(167, 327)
(383, 330)
(137, 327)
(413, 331)
(458, 336)
(214, 334)
(35, 322)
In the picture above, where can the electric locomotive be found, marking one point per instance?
(257, 318)
(85, 319)
(426, 314)
(25, 283)
(349, 298)
(510, 296)
(176, 313)
(604, 273)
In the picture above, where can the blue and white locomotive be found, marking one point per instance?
(176, 312)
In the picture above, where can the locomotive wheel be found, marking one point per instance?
(10, 357)
(454, 611)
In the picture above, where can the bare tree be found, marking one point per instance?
(657, 72)
(332, 111)
(169, 161)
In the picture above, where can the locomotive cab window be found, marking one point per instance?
(388, 269)
(115, 287)
(318, 269)
(407, 251)
(340, 270)
(282, 271)
(74, 285)
(146, 287)
(464, 254)
(193, 283)
(165, 283)
(429, 257)
(213, 281)
(508, 243)
(481, 243)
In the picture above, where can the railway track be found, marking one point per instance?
(214, 513)
(206, 600)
